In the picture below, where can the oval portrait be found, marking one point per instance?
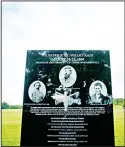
(97, 87)
(98, 93)
(37, 91)
(67, 76)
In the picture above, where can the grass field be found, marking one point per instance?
(11, 126)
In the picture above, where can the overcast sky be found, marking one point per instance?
(59, 25)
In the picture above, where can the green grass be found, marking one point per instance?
(11, 126)
(119, 125)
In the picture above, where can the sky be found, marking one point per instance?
(59, 25)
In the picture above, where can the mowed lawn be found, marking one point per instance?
(11, 126)
(119, 126)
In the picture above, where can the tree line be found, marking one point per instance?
(119, 101)
(5, 105)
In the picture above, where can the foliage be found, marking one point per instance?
(5, 105)
(119, 101)
(15, 107)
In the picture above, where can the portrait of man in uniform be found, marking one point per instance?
(36, 92)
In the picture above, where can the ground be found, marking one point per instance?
(11, 126)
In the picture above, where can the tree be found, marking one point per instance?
(5, 105)
(15, 107)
